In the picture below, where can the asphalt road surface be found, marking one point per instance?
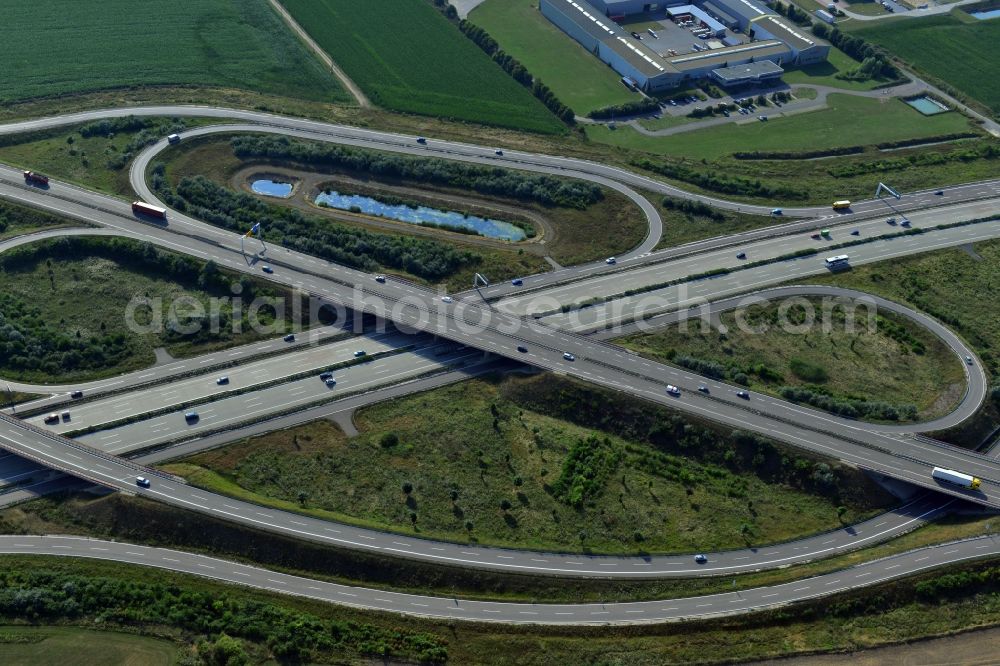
(607, 614)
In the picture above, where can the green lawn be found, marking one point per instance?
(849, 121)
(97, 161)
(953, 285)
(825, 73)
(70, 646)
(407, 57)
(577, 77)
(472, 461)
(962, 53)
(67, 46)
(871, 365)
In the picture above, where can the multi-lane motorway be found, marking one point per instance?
(471, 323)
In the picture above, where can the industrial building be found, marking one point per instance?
(698, 37)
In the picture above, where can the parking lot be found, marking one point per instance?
(671, 39)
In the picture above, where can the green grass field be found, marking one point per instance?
(578, 78)
(864, 365)
(71, 646)
(825, 73)
(66, 46)
(962, 53)
(407, 57)
(953, 285)
(478, 466)
(849, 121)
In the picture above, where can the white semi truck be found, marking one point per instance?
(955, 478)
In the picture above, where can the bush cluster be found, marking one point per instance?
(585, 470)
(983, 150)
(644, 105)
(724, 184)
(874, 60)
(800, 155)
(47, 596)
(881, 411)
(691, 207)
(544, 190)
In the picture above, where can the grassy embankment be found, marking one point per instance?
(898, 362)
(535, 478)
(607, 227)
(67, 300)
(20, 220)
(266, 626)
(957, 286)
(77, 646)
(65, 47)
(407, 57)
(95, 155)
(955, 51)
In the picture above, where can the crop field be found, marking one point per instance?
(406, 57)
(71, 646)
(67, 46)
(961, 53)
(577, 78)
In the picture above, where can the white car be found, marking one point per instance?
(673, 390)
(446, 299)
(380, 278)
(142, 481)
(569, 357)
(610, 261)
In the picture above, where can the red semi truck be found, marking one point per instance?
(142, 208)
(37, 178)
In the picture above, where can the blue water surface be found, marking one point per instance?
(485, 227)
(272, 188)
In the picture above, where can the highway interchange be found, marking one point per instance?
(870, 447)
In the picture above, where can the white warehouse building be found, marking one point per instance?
(770, 37)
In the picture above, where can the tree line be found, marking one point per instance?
(49, 596)
(723, 184)
(977, 151)
(147, 131)
(338, 243)
(875, 61)
(644, 105)
(517, 71)
(536, 188)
